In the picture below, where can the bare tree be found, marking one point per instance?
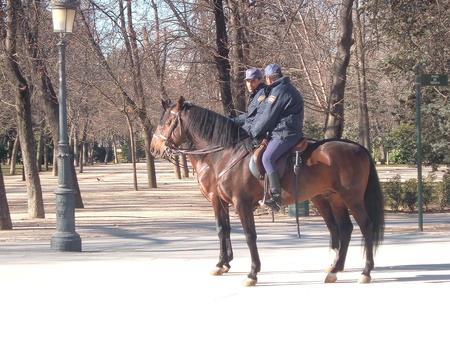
(219, 53)
(334, 124)
(23, 110)
(48, 99)
(136, 107)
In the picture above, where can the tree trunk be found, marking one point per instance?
(222, 58)
(106, 159)
(5, 218)
(76, 152)
(15, 151)
(23, 113)
(55, 161)
(238, 60)
(25, 128)
(40, 149)
(185, 166)
(116, 160)
(45, 154)
(364, 126)
(176, 167)
(10, 149)
(82, 157)
(132, 150)
(85, 153)
(91, 153)
(140, 107)
(334, 124)
(150, 161)
(78, 200)
(33, 182)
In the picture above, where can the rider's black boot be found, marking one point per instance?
(275, 201)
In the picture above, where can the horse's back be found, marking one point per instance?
(335, 152)
(345, 163)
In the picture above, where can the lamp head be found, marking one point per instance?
(63, 14)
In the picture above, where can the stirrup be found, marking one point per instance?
(273, 204)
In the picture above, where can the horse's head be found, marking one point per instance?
(169, 134)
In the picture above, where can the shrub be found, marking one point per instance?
(410, 194)
(401, 141)
(393, 192)
(429, 190)
(444, 193)
(313, 130)
(3, 153)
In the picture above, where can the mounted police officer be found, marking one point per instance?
(255, 86)
(280, 116)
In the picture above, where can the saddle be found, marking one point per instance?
(257, 167)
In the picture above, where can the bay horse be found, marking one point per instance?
(338, 176)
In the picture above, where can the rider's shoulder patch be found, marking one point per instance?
(271, 98)
(261, 98)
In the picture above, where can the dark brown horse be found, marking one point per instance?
(338, 176)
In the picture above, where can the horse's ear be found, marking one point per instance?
(180, 103)
(165, 103)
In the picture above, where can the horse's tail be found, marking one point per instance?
(374, 203)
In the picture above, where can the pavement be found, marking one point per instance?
(144, 271)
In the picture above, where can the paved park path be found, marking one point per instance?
(146, 256)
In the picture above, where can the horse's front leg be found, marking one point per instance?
(222, 215)
(245, 211)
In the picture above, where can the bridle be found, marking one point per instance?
(172, 149)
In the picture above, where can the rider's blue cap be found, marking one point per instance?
(253, 74)
(271, 69)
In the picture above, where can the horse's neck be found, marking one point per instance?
(200, 143)
(196, 162)
(216, 159)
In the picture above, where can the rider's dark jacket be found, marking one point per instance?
(255, 100)
(281, 113)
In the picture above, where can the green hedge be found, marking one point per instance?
(400, 195)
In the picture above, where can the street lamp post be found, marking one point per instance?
(65, 238)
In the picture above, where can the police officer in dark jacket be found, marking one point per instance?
(281, 115)
(255, 86)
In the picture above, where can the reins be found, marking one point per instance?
(179, 151)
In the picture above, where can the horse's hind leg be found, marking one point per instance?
(222, 215)
(323, 206)
(342, 217)
(338, 221)
(365, 224)
(245, 211)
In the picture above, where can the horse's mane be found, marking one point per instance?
(214, 128)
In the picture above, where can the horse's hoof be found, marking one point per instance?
(250, 282)
(363, 279)
(225, 269)
(330, 278)
(217, 271)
